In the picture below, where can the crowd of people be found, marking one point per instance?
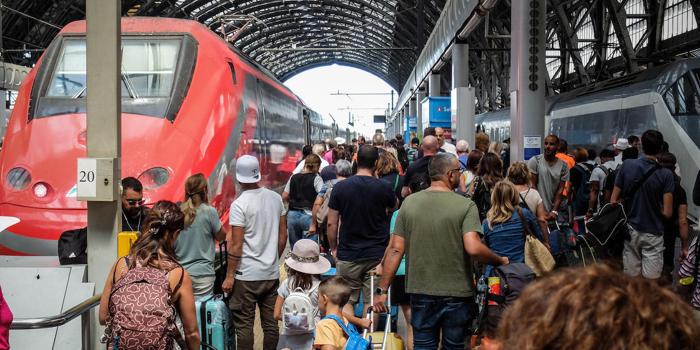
(431, 219)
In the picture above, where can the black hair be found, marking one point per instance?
(415, 141)
(132, 183)
(652, 142)
(632, 139)
(607, 153)
(592, 154)
(664, 147)
(429, 131)
(668, 160)
(306, 150)
(563, 146)
(630, 153)
(367, 157)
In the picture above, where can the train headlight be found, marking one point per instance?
(154, 178)
(41, 190)
(18, 178)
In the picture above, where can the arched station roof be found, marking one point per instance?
(383, 37)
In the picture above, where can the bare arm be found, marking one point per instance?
(667, 209)
(185, 307)
(221, 235)
(405, 191)
(593, 200)
(392, 259)
(542, 222)
(235, 251)
(328, 347)
(558, 196)
(282, 236)
(104, 300)
(615, 196)
(480, 252)
(332, 231)
(278, 308)
(314, 211)
(683, 230)
(285, 197)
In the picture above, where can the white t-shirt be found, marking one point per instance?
(259, 212)
(450, 148)
(301, 164)
(532, 199)
(599, 175)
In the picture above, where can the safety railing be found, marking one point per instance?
(81, 309)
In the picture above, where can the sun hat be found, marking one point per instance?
(247, 169)
(622, 144)
(305, 257)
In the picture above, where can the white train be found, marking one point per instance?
(666, 98)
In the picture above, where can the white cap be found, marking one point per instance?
(622, 144)
(247, 169)
(339, 140)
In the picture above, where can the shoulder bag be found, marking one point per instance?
(537, 256)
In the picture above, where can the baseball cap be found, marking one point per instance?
(247, 169)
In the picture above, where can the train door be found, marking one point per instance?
(307, 126)
(261, 142)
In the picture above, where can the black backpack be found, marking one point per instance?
(583, 189)
(72, 247)
(514, 278)
(481, 197)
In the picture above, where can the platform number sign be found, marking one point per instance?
(87, 171)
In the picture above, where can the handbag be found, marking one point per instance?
(686, 286)
(537, 256)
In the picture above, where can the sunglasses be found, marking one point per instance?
(453, 170)
(138, 202)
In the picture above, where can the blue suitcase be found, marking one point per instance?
(215, 325)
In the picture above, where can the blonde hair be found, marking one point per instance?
(387, 164)
(312, 162)
(519, 173)
(504, 199)
(195, 195)
(482, 142)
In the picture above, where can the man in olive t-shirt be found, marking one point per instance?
(439, 232)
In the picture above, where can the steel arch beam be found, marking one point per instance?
(618, 17)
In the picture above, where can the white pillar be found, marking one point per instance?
(103, 139)
(462, 96)
(434, 85)
(527, 74)
(420, 95)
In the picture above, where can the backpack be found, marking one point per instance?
(72, 247)
(141, 311)
(481, 195)
(322, 212)
(603, 185)
(355, 340)
(513, 278)
(298, 312)
(583, 189)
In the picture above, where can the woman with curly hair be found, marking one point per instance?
(597, 308)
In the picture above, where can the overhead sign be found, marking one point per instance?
(379, 119)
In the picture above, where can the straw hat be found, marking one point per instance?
(305, 257)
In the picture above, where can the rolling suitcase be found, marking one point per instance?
(386, 339)
(215, 325)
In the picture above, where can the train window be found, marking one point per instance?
(683, 102)
(233, 73)
(69, 78)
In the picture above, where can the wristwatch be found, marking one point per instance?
(379, 291)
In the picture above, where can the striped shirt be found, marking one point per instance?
(686, 270)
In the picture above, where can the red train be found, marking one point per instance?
(190, 103)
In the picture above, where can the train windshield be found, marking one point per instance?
(153, 71)
(148, 68)
(683, 102)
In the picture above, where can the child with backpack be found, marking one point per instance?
(334, 332)
(297, 300)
